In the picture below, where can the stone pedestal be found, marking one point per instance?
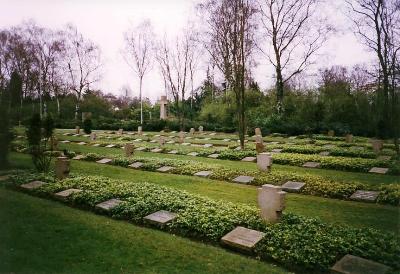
(271, 200)
(93, 136)
(139, 130)
(53, 143)
(260, 147)
(349, 138)
(128, 148)
(257, 131)
(264, 161)
(161, 140)
(163, 108)
(181, 137)
(192, 130)
(77, 130)
(377, 145)
(200, 129)
(331, 133)
(62, 167)
(120, 131)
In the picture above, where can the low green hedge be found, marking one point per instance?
(315, 185)
(296, 241)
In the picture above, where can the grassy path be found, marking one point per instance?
(355, 214)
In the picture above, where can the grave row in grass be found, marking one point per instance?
(296, 241)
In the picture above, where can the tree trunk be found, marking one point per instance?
(141, 101)
(279, 90)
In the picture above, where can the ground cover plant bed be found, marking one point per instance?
(315, 185)
(304, 242)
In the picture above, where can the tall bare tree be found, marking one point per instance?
(377, 23)
(174, 60)
(229, 39)
(293, 34)
(138, 53)
(82, 64)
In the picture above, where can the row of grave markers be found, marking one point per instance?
(240, 238)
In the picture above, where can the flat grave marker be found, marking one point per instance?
(156, 150)
(242, 238)
(243, 179)
(277, 150)
(379, 170)
(78, 157)
(185, 144)
(291, 186)
(96, 145)
(104, 161)
(173, 152)
(110, 145)
(193, 154)
(350, 264)
(311, 164)
(109, 204)
(214, 155)
(384, 158)
(165, 168)
(140, 148)
(204, 173)
(65, 141)
(66, 193)
(136, 165)
(249, 159)
(161, 217)
(82, 143)
(324, 153)
(208, 145)
(365, 196)
(33, 185)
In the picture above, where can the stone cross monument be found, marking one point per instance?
(163, 108)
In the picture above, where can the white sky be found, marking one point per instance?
(104, 22)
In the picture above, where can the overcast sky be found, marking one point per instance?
(104, 22)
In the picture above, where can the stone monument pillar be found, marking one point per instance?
(62, 167)
(53, 142)
(192, 131)
(163, 108)
(129, 150)
(139, 130)
(120, 131)
(161, 140)
(264, 161)
(259, 144)
(200, 129)
(93, 136)
(377, 145)
(349, 138)
(257, 131)
(77, 130)
(271, 200)
(181, 137)
(331, 133)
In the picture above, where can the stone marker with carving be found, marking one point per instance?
(242, 238)
(291, 186)
(214, 155)
(264, 161)
(136, 165)
(109, 204)
(161, 217)
(311, 164)
(33, 185)
(104, 161)
(243, 179)
(365, 196)
(129, 148)
(249, 159)
(66, 193)
(93, 136)
(257, 131)
(77, 130)
(379, 170)
(200, 129)
(271, 200)
(204, 173)
(62, 167)
(165, 168)
(349, 138)
(139, 130)
(350, 264)
(163, 107)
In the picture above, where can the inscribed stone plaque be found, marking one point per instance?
(153, 141)
(291, 186)
(185, 144)
(78, 157)
(165, 168)
(33, 185)
(364, 195)
(379, 170)
(136, 165)
(192, 154)
(328, 146)
(243, 238)
(171, 142)
(96, 145)
(204, 173)
(110, 145)
(140, 148)
(208, 145)
(324, 153)
(214, 155)
(226, 140)
(249, 159)
(104, 161)
(156, 150)
(4, 177)
(384, 158)
(161, 217)
(173, 152)
(242, 179)
(109, 204)
(311, 164)
(277, 150)
(350, 264)
(66, 193)
(65, 141)
(292, 137)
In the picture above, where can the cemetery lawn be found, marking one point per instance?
(356, 214)
(42, 236)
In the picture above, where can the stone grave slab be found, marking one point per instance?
(156, 150)
(192, 154)
(207, 138)
(4, 177)
(104, 161)
(273, 143)
(189, 137)
(350, 264)
(208, 145)
(171, 142)
(291, 186)
(212, 134)
(161, 217)
(66, 193)
(328, 146)
(110, 145)
(157, 135)
(357, 147)
(33, 185)
(185, 144)
(75, 135)
(292, 137)
(204, 173)
(277, 150)
(66, 134)
(165, 168)
(109, 204)
(214, 155)
(242, 238)
(290, 143)
(86, 135)
(136, 165)
(78, 157)
(173, 152)
(138, 140)
(365, 196)
(379, 170)
(324, 153)
(311, 164)
(238, 148)
(96, 145)
(226, 140)
(140, 148)
(243, 179)
(153, 141)
(384, 158)
(65, 141)
(249, 159)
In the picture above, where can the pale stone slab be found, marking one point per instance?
(384, 158)
(110, 145)
(273, 143)
(161, 217)
(277, 150)
(364, 195)
(153, 141)
(171, 142)
(192, 154)
(185, 144)
(242, 238)
(33, 185)
(156, 150)
(104, 161)
(357, 147)
(312, 165)
(204, 173)
(4, 177)
(136, 165)
(324, 153)
(226, 140)
(291, 186)
(212, 134)
(173, 152)
(238, 148)
(350, 264)
(328, 146)
(379, 170)
(65, 141)
(207, 139)
(292, 137)
(165, 168)
(157, 135)
(242, 179)
(109, 204)
(75, 135)
(96, 145)
(208, 145)
(271, 201)
(138, 140)
(249, 159)
(188, 137)
(66, 193)
(140, 148)
(78, 157)
(173, 132)
(214, 156)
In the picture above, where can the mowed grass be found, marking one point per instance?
(41, 236)
(356, 214)
(343, 176)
